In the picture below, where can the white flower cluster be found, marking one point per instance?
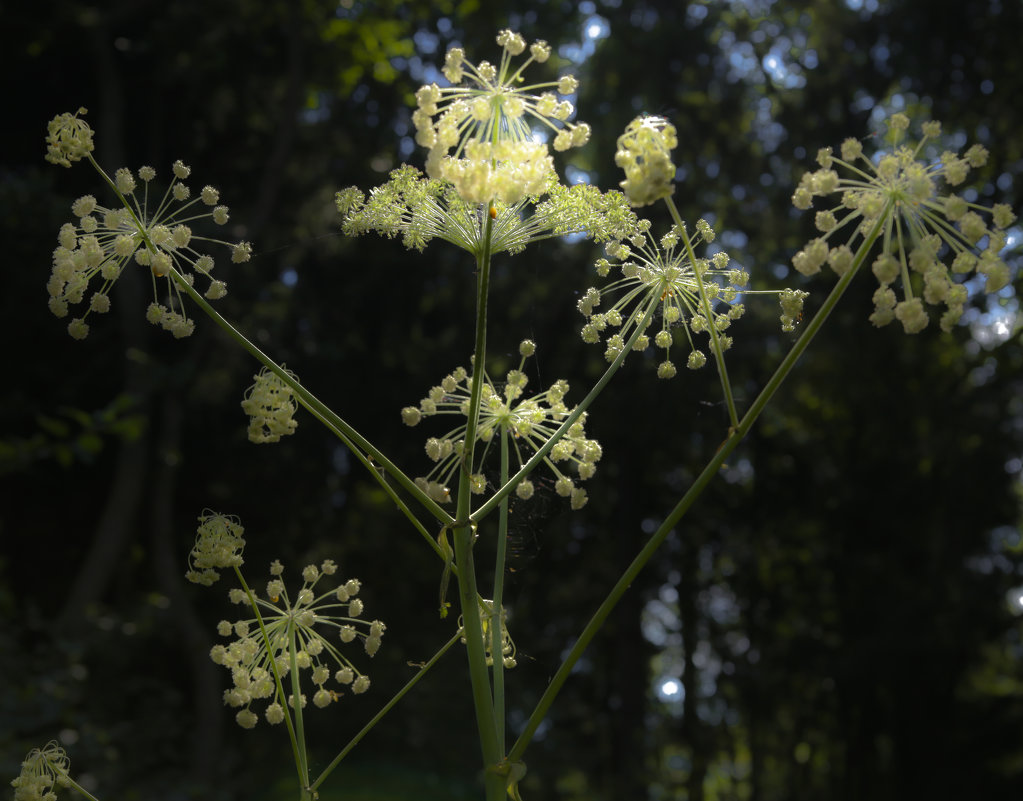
(41, 771)
(928, 237)
(662, 275)
(218, 544)
(527, 422)
(480, 136)
(104, 241)
(306, 632)
(644, 152)
(270, 405)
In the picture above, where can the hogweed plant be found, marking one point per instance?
(491, 189)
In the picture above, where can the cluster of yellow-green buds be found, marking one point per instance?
(301, 634)
(527, 423)
(270, 405)
(304, 634)
(420, 209)
(662, 277)
(480, 135)
(644, 152)
(43, 770)
(218, 545)
(154, 233)
(928, 236)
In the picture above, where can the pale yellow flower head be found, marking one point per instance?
(487, 117)
(930, 237)
(644, 152)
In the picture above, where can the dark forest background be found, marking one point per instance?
(840, 608)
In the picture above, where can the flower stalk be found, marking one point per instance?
(465, 534)
(364, 450)
(712, 329)
(709, 472)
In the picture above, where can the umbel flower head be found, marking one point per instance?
(41, 771)
(306, 632)
(153, 232)
(528, 422)
(420, 209)
(644, 152)
(929, 235)
(661, 276)
(270, 405)
(218, 545)
(480, 134)
(68, 138)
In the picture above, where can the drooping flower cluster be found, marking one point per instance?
(527, 422)
(306, 632)
(41, 771)
(927, 237)
(644, 152)
(270, 405)
(480, 135)
(420, 209)
(156, 234)
(487, 616)
(791, 302)
(662, 276)
(68, 138)
(218, 545)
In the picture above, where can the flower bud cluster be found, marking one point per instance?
(662, 277)
(270, 405)
(644, 152)
(527, 422)
(69, 138)
(41, 771)
(420, 209)
(929, 236)
(791, 302)
(93, 252)
(218, 545)
(305, 633)
(480, 135)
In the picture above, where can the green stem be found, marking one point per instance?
(709, 472)
(708, 314)
(352, 438)
(381, 478)
(281, 697)
(497, 618)
(384, 710)
(332, 421)
(75, 785)
(296, 694)
(464, 535)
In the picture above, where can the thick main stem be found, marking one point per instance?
(705, 477)
(497, 616)
(464, 534)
